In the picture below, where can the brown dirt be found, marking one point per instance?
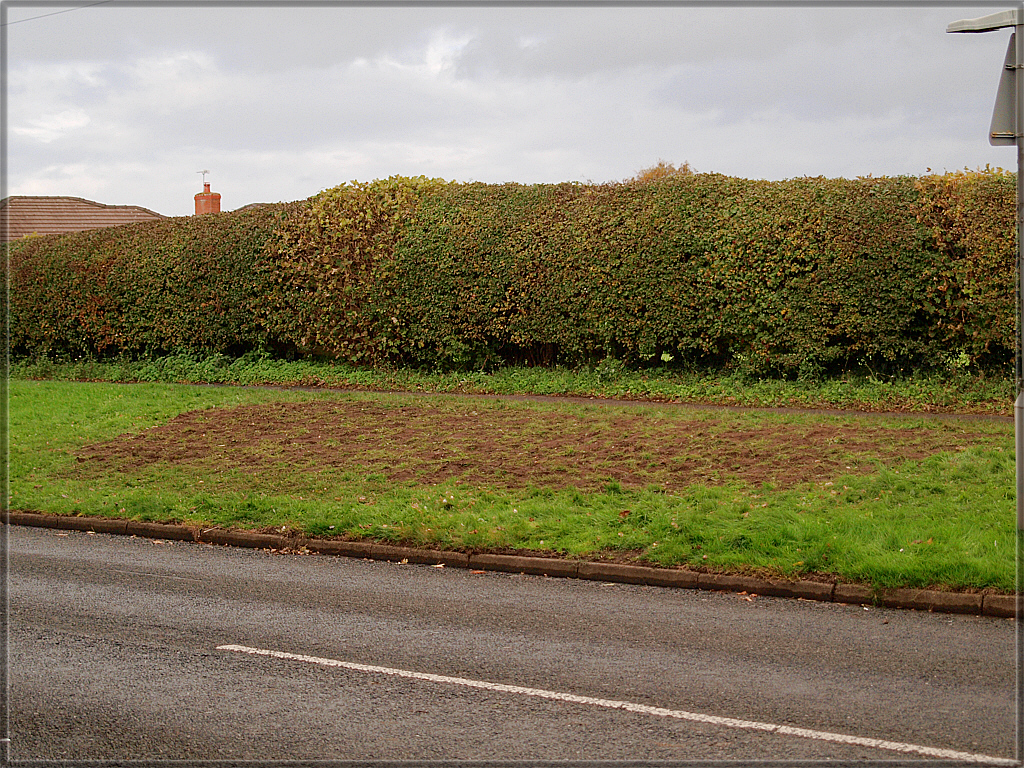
(514, 446)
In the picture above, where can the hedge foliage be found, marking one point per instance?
(324, 260)
(772, 275)
(183, 284)
(971, 220)
(782, 277)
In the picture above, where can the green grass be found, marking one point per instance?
(937, 391)
(944, 521)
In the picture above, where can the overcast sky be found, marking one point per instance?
(123, 105)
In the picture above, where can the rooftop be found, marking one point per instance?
(23, 215)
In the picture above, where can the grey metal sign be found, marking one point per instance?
(1003, 130)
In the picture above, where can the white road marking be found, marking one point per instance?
(728, 722)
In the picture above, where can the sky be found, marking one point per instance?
(125, 104)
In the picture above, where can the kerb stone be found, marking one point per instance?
(93, 524)
(422, 556)
(160, 531)
(539, 566)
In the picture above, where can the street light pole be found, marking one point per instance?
(1018, 404)
(1008, 128)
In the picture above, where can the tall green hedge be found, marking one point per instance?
(774, 277)
(188, 284)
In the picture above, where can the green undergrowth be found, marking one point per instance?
(943, 390)
(944, 521)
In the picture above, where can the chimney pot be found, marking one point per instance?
(207, 201)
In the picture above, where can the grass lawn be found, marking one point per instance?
(883, 500)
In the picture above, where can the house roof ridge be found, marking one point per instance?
(72, 198)
(23, 215)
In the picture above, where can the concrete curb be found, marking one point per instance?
(914, 599)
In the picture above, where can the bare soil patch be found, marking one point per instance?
(497, 445)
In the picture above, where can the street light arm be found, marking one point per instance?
(993, 21)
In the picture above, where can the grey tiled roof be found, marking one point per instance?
(22, 215)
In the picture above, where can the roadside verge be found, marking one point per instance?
(978, 603)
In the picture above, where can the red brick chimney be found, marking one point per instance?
(207, 201)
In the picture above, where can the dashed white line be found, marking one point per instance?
(728, 722)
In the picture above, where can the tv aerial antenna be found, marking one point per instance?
(204, 175)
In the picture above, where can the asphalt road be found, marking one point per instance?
(117, 652)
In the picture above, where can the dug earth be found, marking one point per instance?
(502, 445)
